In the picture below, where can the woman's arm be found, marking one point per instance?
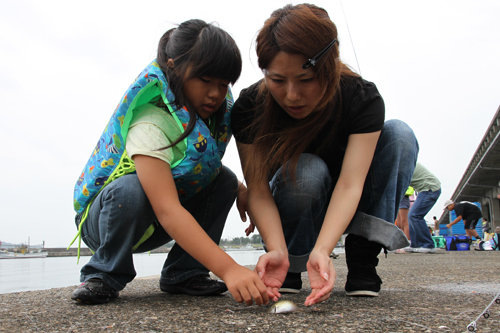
(342, 207)
(158, 183)
(347, 192)
(261, 205)
(264, 213)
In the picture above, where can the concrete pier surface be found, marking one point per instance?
(442, 292)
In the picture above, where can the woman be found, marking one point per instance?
(319, 159)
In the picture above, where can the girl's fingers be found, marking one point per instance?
(237, 296)
(259, 297)
(247, 298)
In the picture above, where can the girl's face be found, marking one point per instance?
(205, 94)
(297, 90)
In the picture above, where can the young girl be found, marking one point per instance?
(156, 174)
(319, 159)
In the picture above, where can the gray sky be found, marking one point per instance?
(65, 65)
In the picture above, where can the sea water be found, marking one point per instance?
(57, 272)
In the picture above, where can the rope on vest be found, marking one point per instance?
(125, 166)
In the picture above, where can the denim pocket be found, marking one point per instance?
(90, 242)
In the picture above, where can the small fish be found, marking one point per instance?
(117, 141)
(99, 181)
(198, 168)
(284, 307)
(85, 191)
(112, 149)
(80, 179)
(107, 163)
(121, 119)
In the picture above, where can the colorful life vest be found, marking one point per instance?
(199, 166)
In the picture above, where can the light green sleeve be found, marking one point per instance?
(424, 180)
(153, 128)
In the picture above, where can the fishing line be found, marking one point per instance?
(352, 43)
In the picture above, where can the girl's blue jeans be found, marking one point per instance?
(121, 214)
(302, 204)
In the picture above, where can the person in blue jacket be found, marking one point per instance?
(156, 175)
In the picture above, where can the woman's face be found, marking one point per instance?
(297, 90)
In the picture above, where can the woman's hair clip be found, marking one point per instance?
(312, 62)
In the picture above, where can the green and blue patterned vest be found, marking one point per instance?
(199, 166)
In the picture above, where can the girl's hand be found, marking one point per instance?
(242, 205)
(272, 268)
(448, 226)
(322, 276)
(245, 285)
(250, 228)
(242, 201)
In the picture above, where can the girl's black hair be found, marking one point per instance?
(197, 49)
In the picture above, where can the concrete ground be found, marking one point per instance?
(442, 292)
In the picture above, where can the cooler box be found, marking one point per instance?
(457, 243)
(439, 241)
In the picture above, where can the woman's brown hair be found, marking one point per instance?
(302, 29)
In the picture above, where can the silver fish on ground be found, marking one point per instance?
(284, 307)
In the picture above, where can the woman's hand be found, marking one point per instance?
(322, 276)
(272, 268)
(245, 285)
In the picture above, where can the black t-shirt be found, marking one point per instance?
(363, 111)
(468, 210)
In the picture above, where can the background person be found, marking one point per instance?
(404, 208)
(436, 226)
(428, 189)
(486, 226)
(468, 212)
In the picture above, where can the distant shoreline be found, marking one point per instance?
(85, 251)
